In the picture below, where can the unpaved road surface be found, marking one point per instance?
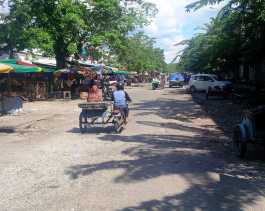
(170, 157)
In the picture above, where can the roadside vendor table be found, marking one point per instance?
(11, 104)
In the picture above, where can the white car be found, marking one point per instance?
(204, 82)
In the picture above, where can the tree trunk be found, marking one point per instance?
(11, 50)
(60, 60)
(60, 54)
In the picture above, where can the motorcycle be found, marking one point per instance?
(155, 85)
(106, 91)
(119, 120)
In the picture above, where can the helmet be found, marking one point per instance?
(120, 86)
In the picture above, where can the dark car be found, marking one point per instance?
(176, 79)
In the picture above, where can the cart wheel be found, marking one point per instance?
(83, 122)
(240, 146)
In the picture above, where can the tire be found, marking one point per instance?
(155, 87)
(239, 146)
(117, 124)
(207, 92)
(193, 89)
(83, 122)
(117, 127)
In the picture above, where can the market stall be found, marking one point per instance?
(5, 68)
(8, 103)
(65, 83)
(26, 82)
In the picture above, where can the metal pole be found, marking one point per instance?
(9, 84)
(2, 104)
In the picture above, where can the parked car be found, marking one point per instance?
(206, 82)
(176, 79)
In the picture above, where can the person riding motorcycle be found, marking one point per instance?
(121, 99)
(155, 83)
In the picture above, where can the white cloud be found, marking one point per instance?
(4, 8)
(173, 24)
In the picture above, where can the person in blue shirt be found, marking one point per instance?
(121, 99)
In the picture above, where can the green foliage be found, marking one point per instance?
(139, 54)
(61, 27)
(236, 35)
(200, 3)
(12, 27)
(37, 38)
(173, 68)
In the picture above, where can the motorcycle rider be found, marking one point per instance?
(121, 99)
(155, 83)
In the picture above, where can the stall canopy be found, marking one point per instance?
(71, 71)
(64, 71)
(95, 67)
(25, 63)
(114, 70)
(20, 68)
(120, 72)
(5, 68)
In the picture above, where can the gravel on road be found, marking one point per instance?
(169, 157)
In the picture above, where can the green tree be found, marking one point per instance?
(12, 30)
(234, 37)
(173, 67)
(64, 25)
(139, 54)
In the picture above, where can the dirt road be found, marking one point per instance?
(170, 157)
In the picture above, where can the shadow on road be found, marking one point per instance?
(228, 183)
(152, 155)
(182, 127)
(225, 113)
(229, 194)
(184, 111)
(191, 158)
(7, 130)
(94, 130)
(195, 108)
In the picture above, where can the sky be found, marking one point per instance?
(4, 8)
(173, 24)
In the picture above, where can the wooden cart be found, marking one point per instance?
(99, 113)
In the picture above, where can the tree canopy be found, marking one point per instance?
(235, 36)
(173, 68)
(139, 54)
(61, 27)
